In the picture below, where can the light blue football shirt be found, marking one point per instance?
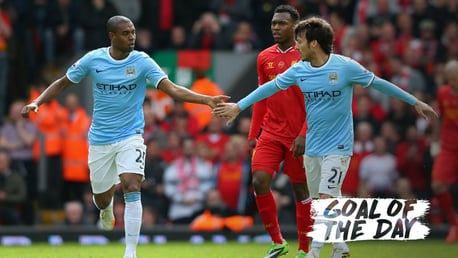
(328, 92)
(118, 88)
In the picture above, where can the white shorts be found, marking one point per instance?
(107, 162)
(325, 175)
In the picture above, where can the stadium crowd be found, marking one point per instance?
(407, 42)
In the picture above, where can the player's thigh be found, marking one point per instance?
(333, 171)
(445, 168)
(313, 174)
(294, 167)
(131, 156)
(102, 167)
(267, 155)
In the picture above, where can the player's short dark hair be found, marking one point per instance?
(295, 16)
(114, 22)
(315, 28)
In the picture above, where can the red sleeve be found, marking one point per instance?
(304, 129)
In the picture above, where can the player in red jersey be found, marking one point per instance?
(277, 134)
(445, 170)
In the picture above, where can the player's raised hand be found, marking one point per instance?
(27, 108)
(227, 111)
(214, 100)
(425, 110)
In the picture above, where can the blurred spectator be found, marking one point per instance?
(145, 41)
(149, 217)
(13, 192)
(341, 31)
(384, 46)
(118, 210)
(178, 38)
(47, 149)
(216, 205)
(187, 180)
(401, 116)
(62, 32)
(132, 9)
(152, 127)
(207, 34)
(406, 77)
(381, 11)
(181, 121)
(231, 12)
(203, 85)
(91, 212)
(378, 172)
(420, 10)
(404, 28)
(157, 18)
(392, 135)
(353, 47)
(450, 39)
(366, 112)
(17, 136)
(404, 190)
(244, 39)
(233, 176)
(182, 14)
(429, 49)
(215, 137)
(75, 148)
(410, 155)
(363, 146)
(74, 214)
(153, 187)
(172, 149)
(5, 34)
(96, 13)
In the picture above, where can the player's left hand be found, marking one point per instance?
(227, 111)
(214, 100)
(298, 147)
(425, 110)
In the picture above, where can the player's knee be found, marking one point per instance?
(325, 196)
(131, 187)
(261, 182)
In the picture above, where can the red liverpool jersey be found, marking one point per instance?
(283, 114)
(448, 108)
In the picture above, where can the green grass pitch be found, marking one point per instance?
(365, 249)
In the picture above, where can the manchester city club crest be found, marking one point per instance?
(130, 71)
(333, 78)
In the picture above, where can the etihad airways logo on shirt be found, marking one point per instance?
(117, 89)
(322, 95)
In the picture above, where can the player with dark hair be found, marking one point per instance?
(117, 151)
(326, 81)
(277, 134)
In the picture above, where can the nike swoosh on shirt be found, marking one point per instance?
(99, 71)
(303, 79)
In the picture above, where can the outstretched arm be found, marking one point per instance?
(231, 110)
(183, 94)
(50, 93)
(392, 90)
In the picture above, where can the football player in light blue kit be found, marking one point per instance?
(327, 81)
(116, 152)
